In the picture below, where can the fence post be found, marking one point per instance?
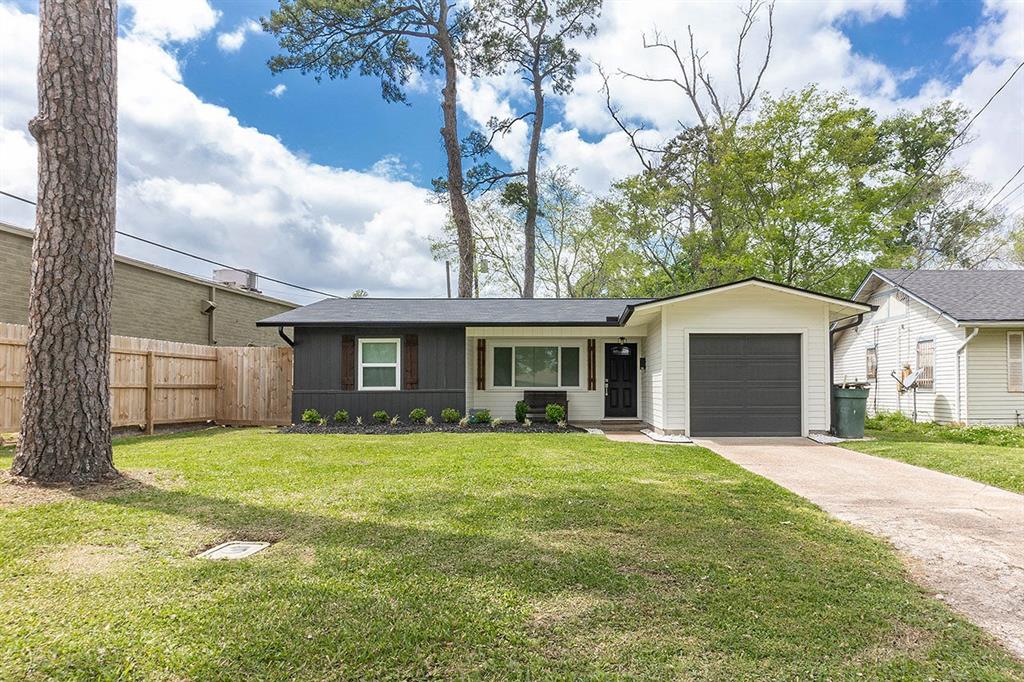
(150, 373)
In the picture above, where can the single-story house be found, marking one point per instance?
(747, 358)
(964, 329)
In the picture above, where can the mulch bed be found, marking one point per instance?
(375, 429)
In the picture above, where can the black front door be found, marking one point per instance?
(619, 381)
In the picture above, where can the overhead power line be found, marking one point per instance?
(191, 255)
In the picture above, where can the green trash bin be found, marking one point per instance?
(848, 406)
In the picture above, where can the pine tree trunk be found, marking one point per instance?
(65, 425)
(532, 190)
(453, 150)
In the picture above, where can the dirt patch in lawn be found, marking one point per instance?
(567, 606)
(92, 560)
(17, 492)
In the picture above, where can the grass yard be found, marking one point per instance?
(986, 454)
(454, 556)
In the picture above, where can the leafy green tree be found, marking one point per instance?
(532, 36)
(392, 40)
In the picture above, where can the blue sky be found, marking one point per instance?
(327, 185)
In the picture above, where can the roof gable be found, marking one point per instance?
(963, 296)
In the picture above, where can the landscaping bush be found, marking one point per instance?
(311, 416)
(450, 415)
(482, 417)
(555, 413)
(896, 422)
(521, 408)
(495, 423)
(381, 417)
(394, 420)
(341, 416)
(464, 422)
(418, 415)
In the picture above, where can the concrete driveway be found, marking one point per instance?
(963, 540)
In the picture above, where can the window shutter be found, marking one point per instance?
(1015, 362)
(348, 363)
(411, 362)
(481, 364)
(591, 364)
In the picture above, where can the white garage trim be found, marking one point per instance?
(802, 331)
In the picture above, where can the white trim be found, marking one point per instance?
(541, 344)
(860, 307)
(908, 293)
(397, 364)
(802, 331)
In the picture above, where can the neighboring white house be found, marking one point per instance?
(963, 328)
(747, 358)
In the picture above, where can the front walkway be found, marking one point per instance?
(964, 540)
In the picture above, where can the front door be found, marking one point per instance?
(619, 381)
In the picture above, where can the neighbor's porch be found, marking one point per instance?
(603, 382)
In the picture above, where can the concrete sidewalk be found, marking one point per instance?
(964, 540)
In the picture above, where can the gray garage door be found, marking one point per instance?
(745, 384)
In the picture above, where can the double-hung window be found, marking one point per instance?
(926, 363)
(379, 364)
(536, 366)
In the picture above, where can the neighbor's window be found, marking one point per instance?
(871, 362)
(1015, 362)
(926, 363)
(536, 366)
(378, 364)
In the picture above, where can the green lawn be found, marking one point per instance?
(454, 556)
(996, 465)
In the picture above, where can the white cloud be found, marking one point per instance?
(192, 176)
(809, 47)
(278, 90)
(178, 21)
(233, 41)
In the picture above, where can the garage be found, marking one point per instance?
(745, 385)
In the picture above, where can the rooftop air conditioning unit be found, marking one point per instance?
(237, 279)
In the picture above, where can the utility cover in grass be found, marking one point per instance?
(233, 550)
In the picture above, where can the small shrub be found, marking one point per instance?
(464, 422)
(381, 417)
(418, 415)
(394, 420)
(311, 416)
(555, 413)
(562, 424)
(527, 422)
(521, 409)
(482, 417)
(429, 421)
(450, 415)
(341, 416)
(359, 421)
(323, 422)
(495, 423)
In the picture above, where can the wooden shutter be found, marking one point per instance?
(411, 362)
(481, 364)
(1015, 362)
(348, 363)
(591, 364)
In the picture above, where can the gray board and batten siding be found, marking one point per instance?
(320, 375)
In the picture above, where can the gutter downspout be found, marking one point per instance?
(832, 362)
(959, 354)
(280, 332)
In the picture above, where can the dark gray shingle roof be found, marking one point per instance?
(455, 311)
(966, 295)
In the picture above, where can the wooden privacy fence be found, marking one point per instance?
(164, 382)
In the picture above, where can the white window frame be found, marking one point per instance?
(397, 364)
(1018, 338)
(559, 346)
(917, 356)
